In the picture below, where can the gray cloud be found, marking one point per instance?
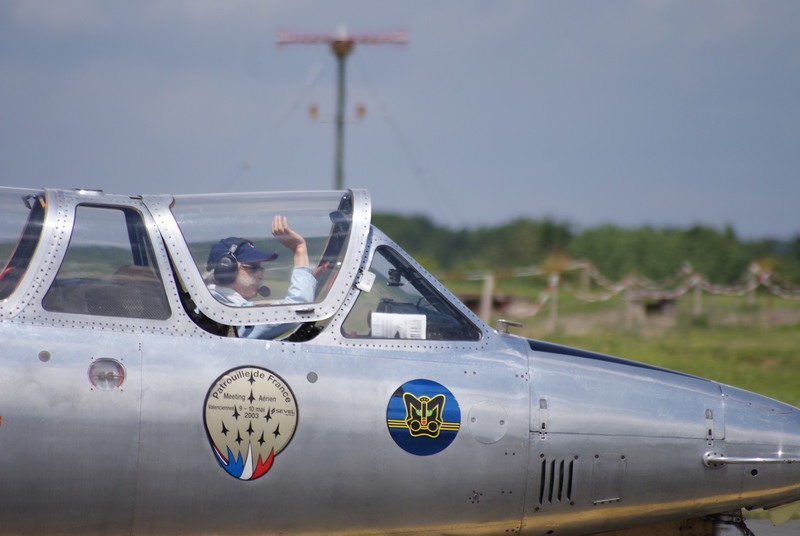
(655, 112)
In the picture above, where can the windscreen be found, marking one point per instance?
(21, 220)
(402, 304)
(246, 261)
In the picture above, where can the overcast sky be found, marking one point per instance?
(653, 112)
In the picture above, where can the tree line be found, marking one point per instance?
(616, 251)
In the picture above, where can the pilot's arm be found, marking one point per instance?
(302, 287)
(291, 240)
(303, 284)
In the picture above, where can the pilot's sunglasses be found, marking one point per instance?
(252, 268)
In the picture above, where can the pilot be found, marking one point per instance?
(237, 274)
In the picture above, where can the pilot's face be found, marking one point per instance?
(248, 280)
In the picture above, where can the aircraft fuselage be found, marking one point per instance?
(128, 405)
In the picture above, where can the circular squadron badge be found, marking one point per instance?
(250, 416)
(423, 417)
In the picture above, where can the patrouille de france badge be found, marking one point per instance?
(250, 416)
(423, 417)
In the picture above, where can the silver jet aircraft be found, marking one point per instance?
(347, 392)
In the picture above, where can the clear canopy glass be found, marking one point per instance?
(321, 218)
(21, 219)
(402, 304)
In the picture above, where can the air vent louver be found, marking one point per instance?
(555, 481)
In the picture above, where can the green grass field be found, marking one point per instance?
(766, 361)
(751, 343)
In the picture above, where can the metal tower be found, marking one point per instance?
(341, 45)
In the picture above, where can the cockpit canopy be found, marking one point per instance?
(323, 219)
(21, 219)
(334, 225)
(89, 259)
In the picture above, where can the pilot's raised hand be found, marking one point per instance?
(290, 239)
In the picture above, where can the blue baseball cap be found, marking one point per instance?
(241, 248)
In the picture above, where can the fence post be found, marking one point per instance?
(627, 311)
(697, 308)
(769, 315)
(486, 297)
(553, 321)
(585, 280)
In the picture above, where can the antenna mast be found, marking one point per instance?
(341, 45)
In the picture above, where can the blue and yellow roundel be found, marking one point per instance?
(423, 417)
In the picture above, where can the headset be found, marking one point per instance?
(227, 265)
